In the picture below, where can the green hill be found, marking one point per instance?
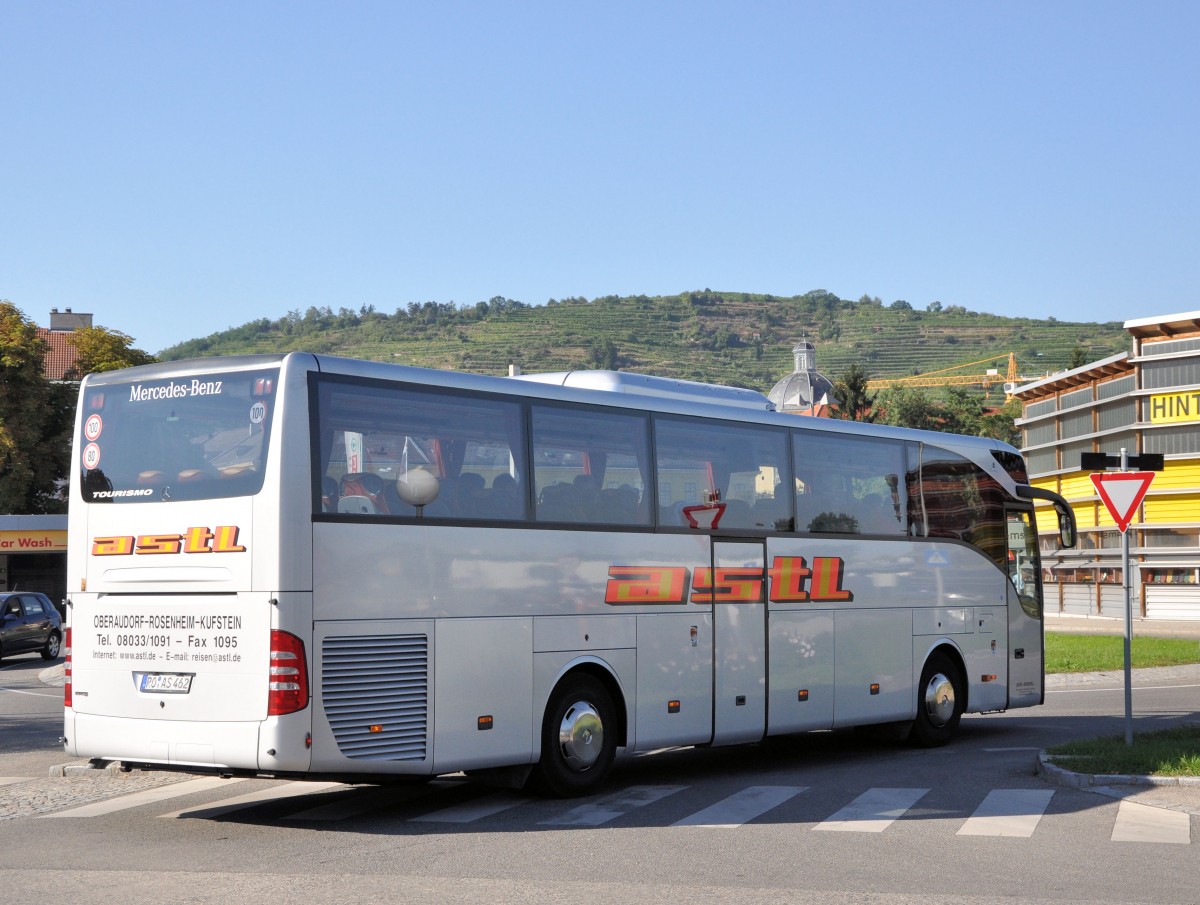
(732, 338)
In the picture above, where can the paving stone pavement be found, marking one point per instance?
(74, 787)
(1155, 675)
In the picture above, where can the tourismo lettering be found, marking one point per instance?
(790, 579)
(222, 539)
(140, 393)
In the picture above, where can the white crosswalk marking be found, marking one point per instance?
(147, 796)
(742, 806)
(1013, 813)
(1142, 823)
(474, 810)
(1008, 812)
(610, 807)
(873, 811)
(274, 793)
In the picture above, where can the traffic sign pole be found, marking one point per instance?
(1122, 493)
(1128, 621)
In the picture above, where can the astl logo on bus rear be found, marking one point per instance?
(222, 539)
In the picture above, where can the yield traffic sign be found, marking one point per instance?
(1122, 492)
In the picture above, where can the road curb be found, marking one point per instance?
(84, 769)
(1061, 776)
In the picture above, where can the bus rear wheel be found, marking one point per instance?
(941, 697)
(579, 738)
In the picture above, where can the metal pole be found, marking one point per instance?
(1128, 622)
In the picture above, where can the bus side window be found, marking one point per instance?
(453, 445)
(590, 467)
(849, 485)
(962, 502)
(739, 466)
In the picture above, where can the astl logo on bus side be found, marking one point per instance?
(789, 580)
(222, 539)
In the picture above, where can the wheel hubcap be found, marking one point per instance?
(581, 735)
(939, 699)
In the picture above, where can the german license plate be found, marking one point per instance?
(166, 683)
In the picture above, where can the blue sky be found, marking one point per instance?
(180, 168)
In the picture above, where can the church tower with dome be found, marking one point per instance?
(805, 391)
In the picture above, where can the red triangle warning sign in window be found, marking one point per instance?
(1122, 492)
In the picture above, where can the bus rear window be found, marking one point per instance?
(182, 438)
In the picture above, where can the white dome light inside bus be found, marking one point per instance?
(418, 488)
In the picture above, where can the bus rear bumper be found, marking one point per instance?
(204, 747)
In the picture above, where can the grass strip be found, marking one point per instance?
(1168, 752)
(1067, 652)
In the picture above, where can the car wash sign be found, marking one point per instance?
(33, 541)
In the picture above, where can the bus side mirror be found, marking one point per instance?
(1066, 524)
(1062, 510)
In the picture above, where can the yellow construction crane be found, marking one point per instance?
(944, 377)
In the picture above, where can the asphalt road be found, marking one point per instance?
(830, 818)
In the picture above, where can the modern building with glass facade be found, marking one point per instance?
(1144, 401)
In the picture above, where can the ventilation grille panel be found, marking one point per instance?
(375, 690)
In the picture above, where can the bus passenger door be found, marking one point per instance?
(1026, 670)
(738, 587)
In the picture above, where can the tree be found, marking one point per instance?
(1002, 423)
(962, 412)
(35, 421)
(908, 407)
(604, 355)
(98, 349)
(854, 402)
(1078, 359)
(959, 412)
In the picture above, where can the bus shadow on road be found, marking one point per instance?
(813, 776)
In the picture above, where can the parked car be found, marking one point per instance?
(29, 622)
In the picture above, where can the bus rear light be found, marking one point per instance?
(288, 683)
(67, 668)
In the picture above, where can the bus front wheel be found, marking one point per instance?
(579, 738)
(941, 697)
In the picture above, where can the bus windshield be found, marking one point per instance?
(181, 438)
